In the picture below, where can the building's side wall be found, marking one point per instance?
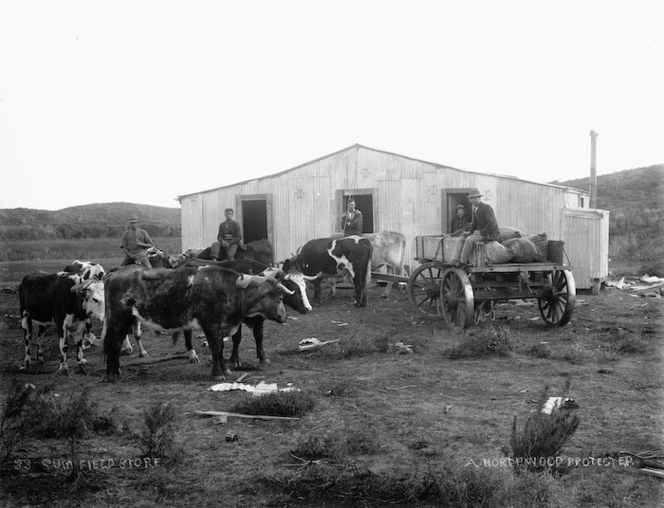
(586, 237)
(531, 208)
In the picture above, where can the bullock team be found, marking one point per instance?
(193, 292)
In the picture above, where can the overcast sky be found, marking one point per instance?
(143, 101)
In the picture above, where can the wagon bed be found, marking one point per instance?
(438, 290)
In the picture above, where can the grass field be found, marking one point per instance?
(87, 249)
(380, 423)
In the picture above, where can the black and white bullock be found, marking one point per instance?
(389, 249)
(327, 257)
(216, 300)
(65, 300)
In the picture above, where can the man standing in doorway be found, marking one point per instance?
(460, 223)
(228, 238)
(483, 227)
(351, 221)
(135, 244)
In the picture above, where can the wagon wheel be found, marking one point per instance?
(457, 298)
(557, 302)
(424, 290)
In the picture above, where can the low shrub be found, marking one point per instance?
(17, 418)
(291, 403)
(340, 388)
(314, 447)
(493, 341)
(540, 351)
(156, 438)
(339, 444)
(542, 436)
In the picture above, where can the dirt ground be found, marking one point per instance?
(395, 395)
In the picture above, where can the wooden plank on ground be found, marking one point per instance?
(239, 415)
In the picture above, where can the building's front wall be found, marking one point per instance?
(408, 196)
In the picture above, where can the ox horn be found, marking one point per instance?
(312, 277)
(81, 286)
(285, 289)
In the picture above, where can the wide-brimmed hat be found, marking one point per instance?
(133, 218)
(475, 193)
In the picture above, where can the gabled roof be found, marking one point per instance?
(357, 146)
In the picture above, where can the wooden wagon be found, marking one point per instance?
(439, 290)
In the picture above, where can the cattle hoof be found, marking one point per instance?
(384, 296)
(143, 355)
(126, 352)
(265, 361)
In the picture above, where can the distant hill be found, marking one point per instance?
(86, 221)
(635, 198)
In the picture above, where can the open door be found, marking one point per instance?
(451, 199)
(364, 202)
(256, 218)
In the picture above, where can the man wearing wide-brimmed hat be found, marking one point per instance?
(483, 227)
(135, 244)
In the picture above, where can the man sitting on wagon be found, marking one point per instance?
(483, 228)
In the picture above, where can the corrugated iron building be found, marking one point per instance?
(397, 193)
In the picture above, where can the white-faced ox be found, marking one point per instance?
(295, 298)
(327, 257)
(389, 248)
(210, 298)
(86, 270)
(61, 299)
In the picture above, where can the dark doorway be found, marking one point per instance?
(454, 198)
(254, 220)
(363, 203)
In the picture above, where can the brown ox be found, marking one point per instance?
(210, 298)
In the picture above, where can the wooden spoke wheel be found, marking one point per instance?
(424, 290)
(456, 295)
(557, 302)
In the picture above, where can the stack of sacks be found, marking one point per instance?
(508, 234)
(542, 243)
(523, 250)
(496, 254)
(512, 247)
